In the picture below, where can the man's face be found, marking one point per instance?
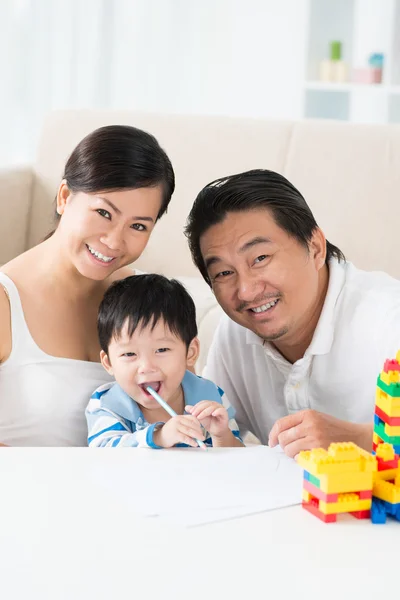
(264, 279)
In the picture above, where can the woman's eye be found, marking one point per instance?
(139, 227)
(162, 350)
(260, 258)
(104, 213)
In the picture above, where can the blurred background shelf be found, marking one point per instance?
(363, 27)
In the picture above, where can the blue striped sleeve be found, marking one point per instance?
(107, 429)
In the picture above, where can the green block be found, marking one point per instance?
(393, 389)
(314, 480)
(391, 439)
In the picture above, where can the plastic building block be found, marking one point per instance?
(385, 452)
(389, 405)
(317, 513)
(391, 365)
(378, 512)
(386, 419)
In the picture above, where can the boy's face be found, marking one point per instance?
(154, 357)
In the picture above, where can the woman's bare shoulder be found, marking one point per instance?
(121, 274)
(5, 325)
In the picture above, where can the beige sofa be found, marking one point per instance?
(349, 174)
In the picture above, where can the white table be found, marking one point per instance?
(60, 539)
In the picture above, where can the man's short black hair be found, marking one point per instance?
(252, 190)
(143, 300)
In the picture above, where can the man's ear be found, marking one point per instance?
(105, 361)
(62, 196)
(318, 248)
(193, 354)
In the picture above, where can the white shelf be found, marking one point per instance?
(364, 27)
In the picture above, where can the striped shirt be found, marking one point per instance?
(115, 419)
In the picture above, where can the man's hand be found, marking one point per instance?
(182, 429)
(212, 415)
(309, 429)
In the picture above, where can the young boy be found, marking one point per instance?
(148, 336)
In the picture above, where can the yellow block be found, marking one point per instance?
(376, 439)
(385, 451)
(386, 475)
(386, 491)
(390, 377)
(340, 458)
(389, 405)
(346, 503)
(392, 429)
(345, 482)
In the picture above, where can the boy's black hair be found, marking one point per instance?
(143, 300)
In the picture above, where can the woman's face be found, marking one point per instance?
(105, 231)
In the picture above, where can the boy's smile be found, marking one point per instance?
(152, 356)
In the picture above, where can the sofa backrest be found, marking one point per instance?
(349, 175)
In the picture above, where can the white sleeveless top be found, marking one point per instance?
(42, 397)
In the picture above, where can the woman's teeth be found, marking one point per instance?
(264, 307)
(99, 255)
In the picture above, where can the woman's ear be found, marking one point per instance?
(193, 354)
(62, 196)
(105, 361)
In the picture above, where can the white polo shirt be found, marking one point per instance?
(358, 329)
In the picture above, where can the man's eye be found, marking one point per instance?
(162, 350)
(129, 354)
(260, 258)
(104, 213)
(139, 227)
(222, 274)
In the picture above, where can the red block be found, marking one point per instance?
(365, 495)
(391, 365)
(361, 514)
(393, 421)
(317, 513)
(310, 487)
(388, 464)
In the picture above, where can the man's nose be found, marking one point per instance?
(249, 286)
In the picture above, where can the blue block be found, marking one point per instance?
(306, 475)
(378, 512)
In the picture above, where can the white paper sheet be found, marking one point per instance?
(191, 486)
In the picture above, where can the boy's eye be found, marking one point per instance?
(129, 354)
(162, 350)
(139, 227)
(104, 213)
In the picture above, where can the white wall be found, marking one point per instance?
(232, 57)
(235, 57)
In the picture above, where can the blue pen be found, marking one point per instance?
(169, 410)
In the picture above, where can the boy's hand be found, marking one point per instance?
(212, 416)
(182, 429)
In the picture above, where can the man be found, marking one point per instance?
(306, 333)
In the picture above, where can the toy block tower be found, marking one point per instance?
(386, 443)
(386, 485)
(387, 406)
(338, 480)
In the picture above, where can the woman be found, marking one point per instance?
(117, 183)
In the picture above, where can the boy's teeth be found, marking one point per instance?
(99, 255)
(264, 307)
